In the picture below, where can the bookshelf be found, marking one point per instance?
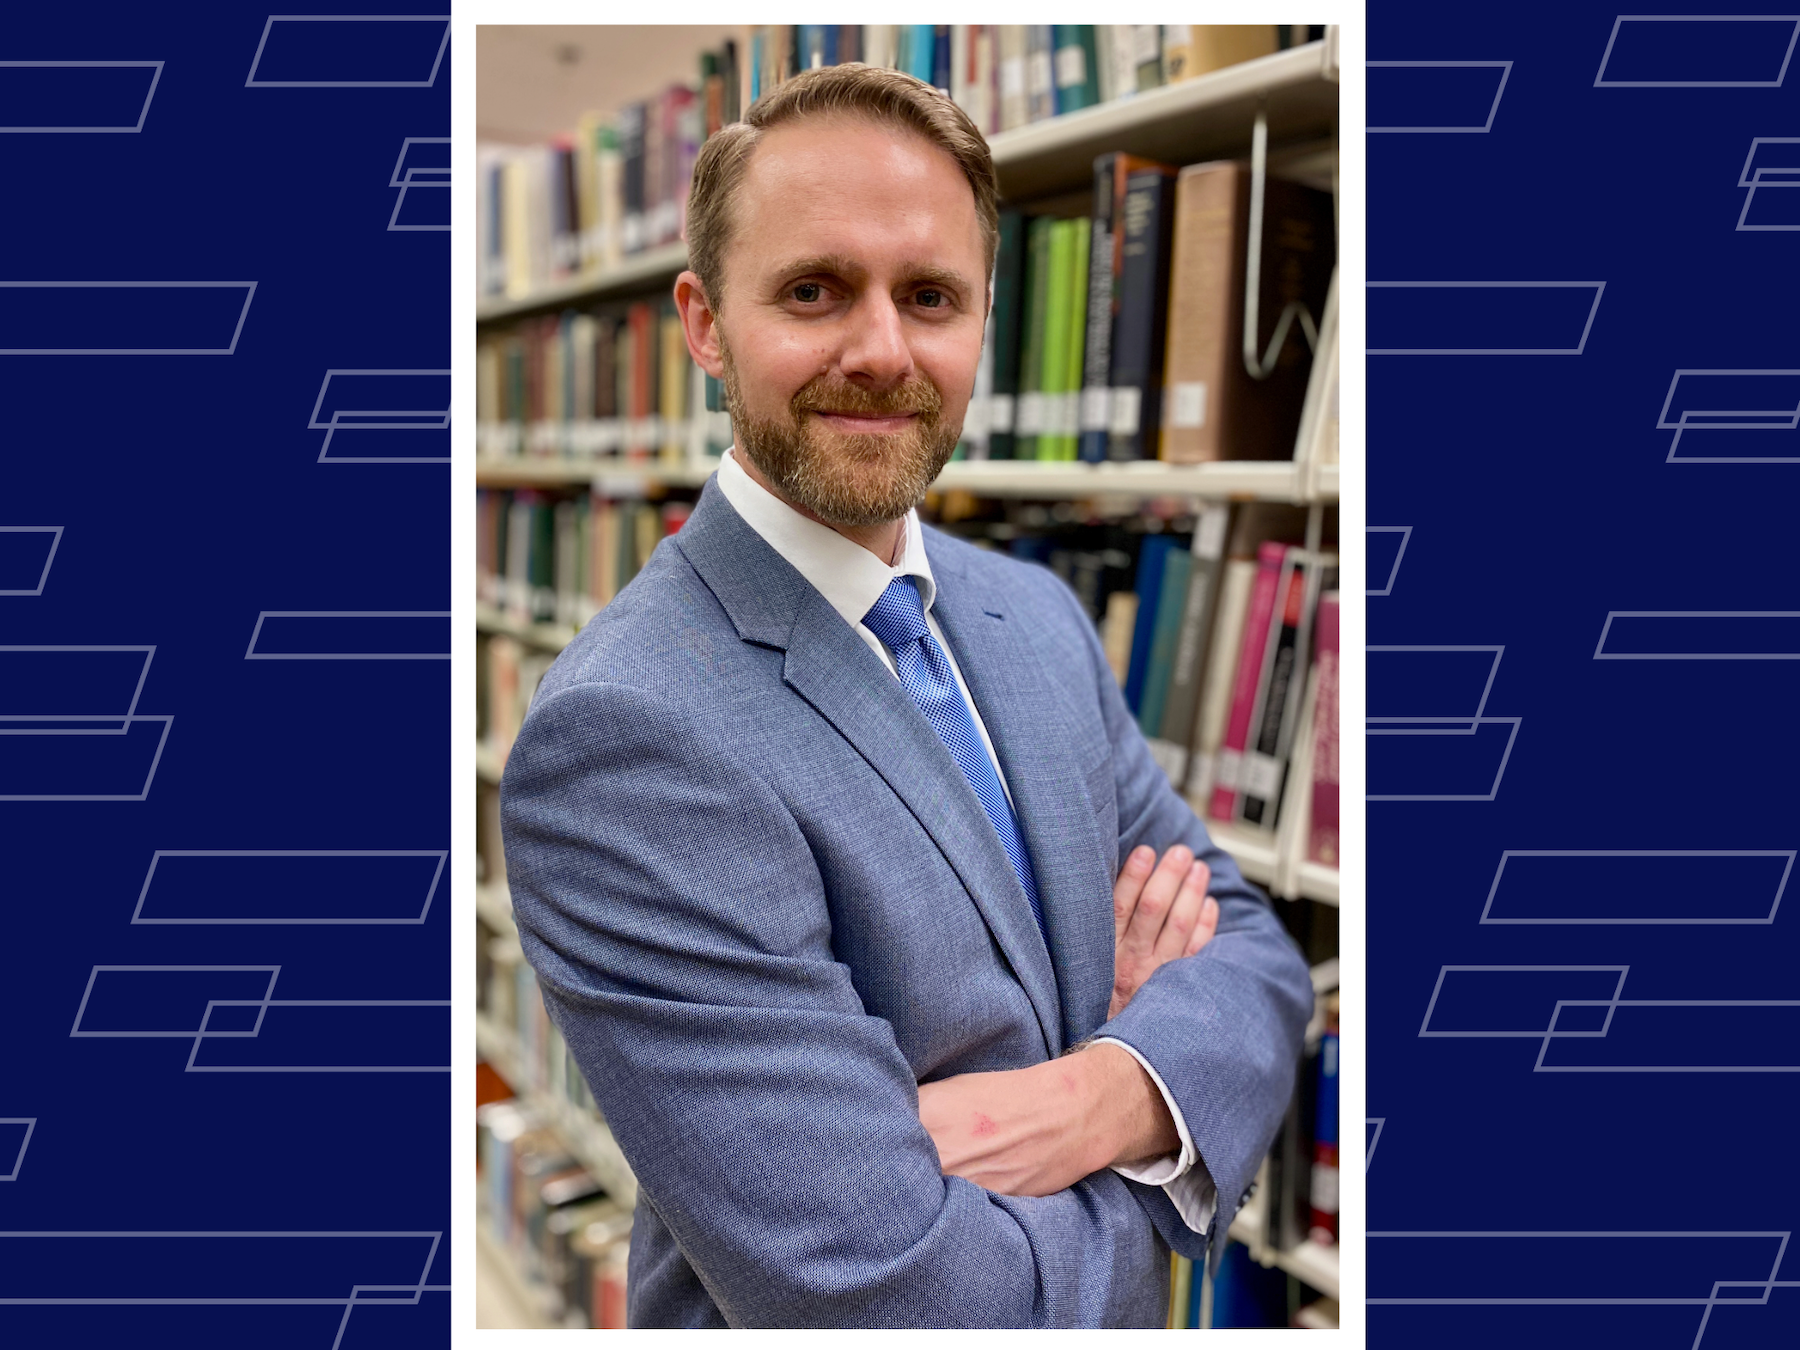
(1208, 117)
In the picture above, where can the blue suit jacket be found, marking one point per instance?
(764, 904)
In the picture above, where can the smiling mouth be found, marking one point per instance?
(868, 421)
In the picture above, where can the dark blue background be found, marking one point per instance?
(191, 499)
(1539, 500)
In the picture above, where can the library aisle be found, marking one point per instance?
(1155, 421)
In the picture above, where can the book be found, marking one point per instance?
(1324, 1189)
(1075, 67)
(1151, 557)
(1322, 832)
(1217, 683)
(1187, 659)
(1147, 54)
(1142, 260)
(1111, 173)
(1064, 314)
(1029, 421)
(1214, 46)
(1171, 600)
(1260, 771)
(1245, 683)
(1015, 102)
(1040, 77)
(1213, 408)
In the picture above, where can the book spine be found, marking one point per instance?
(631, 151)
(1068, 422)
(1054, 355)
(1322, 832)
(1147, 54)
(1097, 363)
(1204, 370)
(1009, 280)
(1171, 599)
(1015, 100)
(1264, 764)
(1073, 66)
(1029, 409)
(1249, 675)
(1151, 556)
(1040, 81)
(940, 58)
(1324, 1189)
(1144, 226)
(1189, 659)
(1177, 40)
(921, 50)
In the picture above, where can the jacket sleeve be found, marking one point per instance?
(1223, 1027)
(679, 927)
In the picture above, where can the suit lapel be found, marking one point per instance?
(1034, 734)
(834, 670)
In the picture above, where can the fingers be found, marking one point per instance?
(1130, 886)
(1155, 902)
(1184, 914)
(1205, 928)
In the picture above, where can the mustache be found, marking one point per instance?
(915, 396)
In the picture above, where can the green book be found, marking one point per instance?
(1029, 409)
(1053, 356)
(1170, 602)
(1068, 431)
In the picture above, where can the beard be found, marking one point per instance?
(849, 480)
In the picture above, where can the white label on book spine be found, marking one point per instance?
(1169, 757)
(975, 420)
(1039, 72)
(1000, 413)
(1229, 763)
(1187, 404)
(1325, 1189)
(1261, 775)
(1209, 534)
(1071, 67)
(1096, 409)
(1148, 42)
(1031, 415)
(1068, 413)
(1127, 403)
(1012, 77)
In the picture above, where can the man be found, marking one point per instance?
(810, 832)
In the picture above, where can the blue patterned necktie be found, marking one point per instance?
(898, 619)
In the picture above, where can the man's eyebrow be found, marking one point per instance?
(838, 265)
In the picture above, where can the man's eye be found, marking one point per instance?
(808, 291)
(932, 299)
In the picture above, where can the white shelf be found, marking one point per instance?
(638, 273)
(1254, 851)
(547, 637)
(1204, 118)
(584, 1135)
(1262, 480)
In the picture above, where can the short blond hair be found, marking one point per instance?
(888, 97)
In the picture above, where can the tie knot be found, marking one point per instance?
(898, 617)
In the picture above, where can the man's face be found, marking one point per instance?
(855, 297)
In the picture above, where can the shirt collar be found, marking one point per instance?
(850, 577)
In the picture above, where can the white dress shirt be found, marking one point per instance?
(852, 579)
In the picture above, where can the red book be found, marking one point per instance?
(1269, 558)
(1322, 837)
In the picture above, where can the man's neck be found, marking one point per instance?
(883, 540)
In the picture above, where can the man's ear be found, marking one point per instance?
(699, 324)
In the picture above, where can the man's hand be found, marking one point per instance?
(1160, 912)
(1036, 1131)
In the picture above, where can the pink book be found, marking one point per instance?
(1249, 674)
(1322, 837)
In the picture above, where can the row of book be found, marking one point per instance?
(556, 558)
(613, 383)
(567, 1239)
(1221, 627)
(1223, 632)
(1119, 335)
(617, 185)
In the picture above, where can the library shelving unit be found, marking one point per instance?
(1211, 116)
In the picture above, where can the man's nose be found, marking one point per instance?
(875, 345)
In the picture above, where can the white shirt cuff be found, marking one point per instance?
(1182, 1175)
